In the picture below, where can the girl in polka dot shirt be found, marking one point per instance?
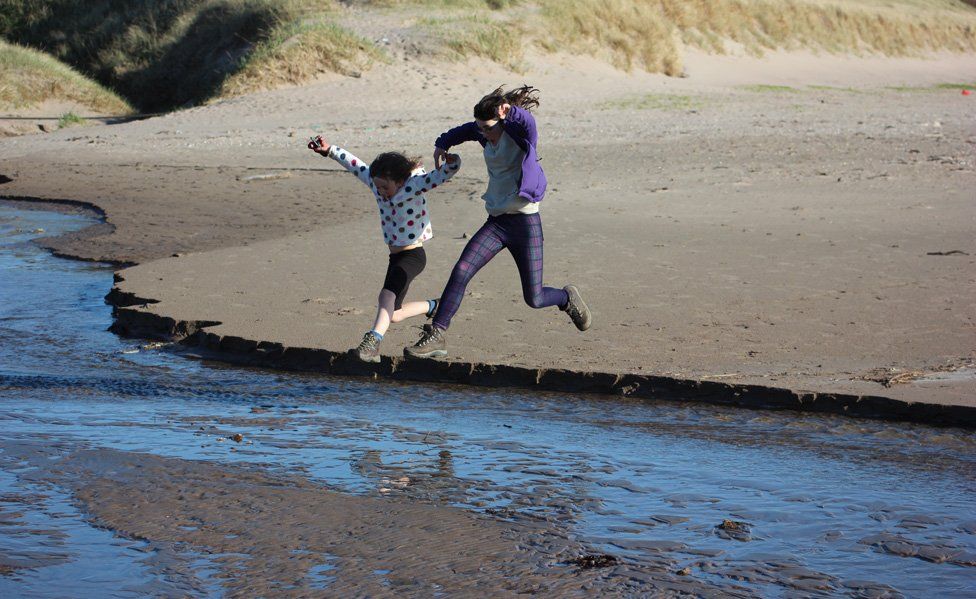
(399, 185)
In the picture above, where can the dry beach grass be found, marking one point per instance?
(182, 52)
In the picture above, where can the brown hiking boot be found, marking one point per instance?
(369, 348)
(430, 345)
(576, 308)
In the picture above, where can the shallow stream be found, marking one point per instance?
(825, 505)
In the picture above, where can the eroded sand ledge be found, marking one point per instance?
(133, 322)
(756, 248)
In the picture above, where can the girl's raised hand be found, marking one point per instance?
(319, 145)
(439, 155)
(503, 110)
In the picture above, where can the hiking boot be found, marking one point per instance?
(430, 345)
(369, 348)
(576, 308)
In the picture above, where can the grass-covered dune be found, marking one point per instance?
(29, 77)
(162, 54)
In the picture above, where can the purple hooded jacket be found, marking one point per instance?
(520, 126)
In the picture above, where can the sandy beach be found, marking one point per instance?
(795, 222)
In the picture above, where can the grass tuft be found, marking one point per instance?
(831, 88)
(299, 51)
(931, 88)
(29, 77)
(664, 102)
(911, 89)
(70, 119)
(781, 89)
(463, 36)
(626, 33)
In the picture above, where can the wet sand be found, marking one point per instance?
(818, 239)
(268, 532)
(284, 535)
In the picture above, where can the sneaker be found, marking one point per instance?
(369, 348)
(430, 345)
(576, 308)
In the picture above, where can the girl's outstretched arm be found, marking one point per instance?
(453, 137)
(352, 164)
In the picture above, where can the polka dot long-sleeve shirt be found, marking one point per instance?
(404, 217)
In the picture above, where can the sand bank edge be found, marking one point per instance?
(130, 321)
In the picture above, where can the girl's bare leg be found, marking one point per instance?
(385, 314)
(410, 309)
(384, 311)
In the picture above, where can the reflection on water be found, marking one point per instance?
(827, 505)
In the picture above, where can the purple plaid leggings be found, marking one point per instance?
(522, 235)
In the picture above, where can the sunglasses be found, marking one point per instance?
(489, 128)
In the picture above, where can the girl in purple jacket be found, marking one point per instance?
(506, 130)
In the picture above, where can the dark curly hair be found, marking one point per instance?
(526, 97)
(393, 166)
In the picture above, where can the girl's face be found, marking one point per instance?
(387, 188)
(492, 130)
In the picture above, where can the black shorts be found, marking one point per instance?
(404, 268)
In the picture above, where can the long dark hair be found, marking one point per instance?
(526, 97)
(393, 166)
